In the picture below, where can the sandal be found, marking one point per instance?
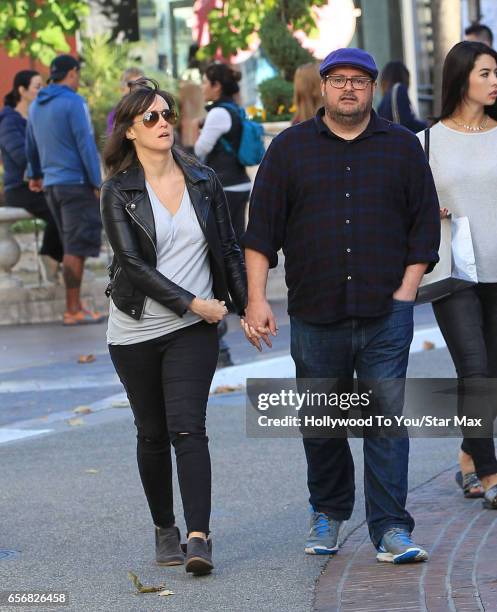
(470, 481)
(490, 496)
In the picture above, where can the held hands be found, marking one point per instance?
(258, 323)
(211, 311)
(444, 213)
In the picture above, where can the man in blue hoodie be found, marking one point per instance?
(63, 161)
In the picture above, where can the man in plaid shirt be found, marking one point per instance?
(350, 199)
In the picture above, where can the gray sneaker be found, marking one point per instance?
(167, 546)
(323, 535)
(396, 546)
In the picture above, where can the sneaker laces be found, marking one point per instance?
(400, 536)
(320, 525)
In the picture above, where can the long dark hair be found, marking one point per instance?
(225, 76)
(22, 79)
(458, 64)
(394, 72)
(119, 152)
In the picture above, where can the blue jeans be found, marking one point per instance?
(375, 349)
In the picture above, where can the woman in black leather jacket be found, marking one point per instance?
(176, 269)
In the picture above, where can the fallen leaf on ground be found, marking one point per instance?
(144, 589)
(87, 358)
(75, 422)
(91, 471)
(428, 346)
(83, 410)
(228, 388)
(120, 404)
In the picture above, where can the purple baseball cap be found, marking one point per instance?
(349, 57)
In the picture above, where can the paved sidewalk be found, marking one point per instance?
(461, 538)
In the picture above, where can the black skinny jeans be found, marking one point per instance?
(468, 322)
(167, 381)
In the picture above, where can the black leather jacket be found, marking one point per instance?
(129, 223)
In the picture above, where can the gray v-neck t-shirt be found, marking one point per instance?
(183, 258)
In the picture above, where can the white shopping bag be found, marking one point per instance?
(457, 266)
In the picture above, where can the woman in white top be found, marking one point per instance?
(217, 146)
(463, 147)
(219, 140)
(176, 267)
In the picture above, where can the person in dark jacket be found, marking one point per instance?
(176, 268)
(217, 146)
(395, 104)
(13, 121)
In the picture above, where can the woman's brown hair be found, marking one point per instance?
(307, 92)
(119, 152)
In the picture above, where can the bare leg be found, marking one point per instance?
(467, 466)
(489, 481)
(73, 267)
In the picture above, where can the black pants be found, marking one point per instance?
(237, 203)
(167, 380)
(35, 203)
(468, 322)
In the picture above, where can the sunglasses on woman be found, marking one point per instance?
(151, 118)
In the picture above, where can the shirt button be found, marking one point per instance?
(347, 168)
(133, 311)
(347, 221)
(347, 195)
(349, 277)
(132, 206)
(348, 250)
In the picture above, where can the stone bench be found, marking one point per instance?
(10, 252)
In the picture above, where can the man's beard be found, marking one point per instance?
(350, 117)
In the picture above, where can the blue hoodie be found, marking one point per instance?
(12, 145)
(60, 146)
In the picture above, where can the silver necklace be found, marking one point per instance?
(472, 128)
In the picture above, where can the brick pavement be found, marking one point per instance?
(461, 574)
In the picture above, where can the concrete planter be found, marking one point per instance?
(273, 129)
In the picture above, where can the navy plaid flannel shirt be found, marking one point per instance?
(349, 216)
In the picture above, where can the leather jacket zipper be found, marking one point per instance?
(143, 228)
(148, 236)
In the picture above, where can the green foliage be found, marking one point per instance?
(232, 26)
(38, 29)
(104, 63)
(282, 49)
(276, 95)
(27, 226)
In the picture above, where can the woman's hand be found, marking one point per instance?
(444, 213)
(211, 311)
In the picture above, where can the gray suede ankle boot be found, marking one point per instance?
(167, 546)
(199, 556)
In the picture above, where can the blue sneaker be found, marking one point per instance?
(396, 546)
(323, 535)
